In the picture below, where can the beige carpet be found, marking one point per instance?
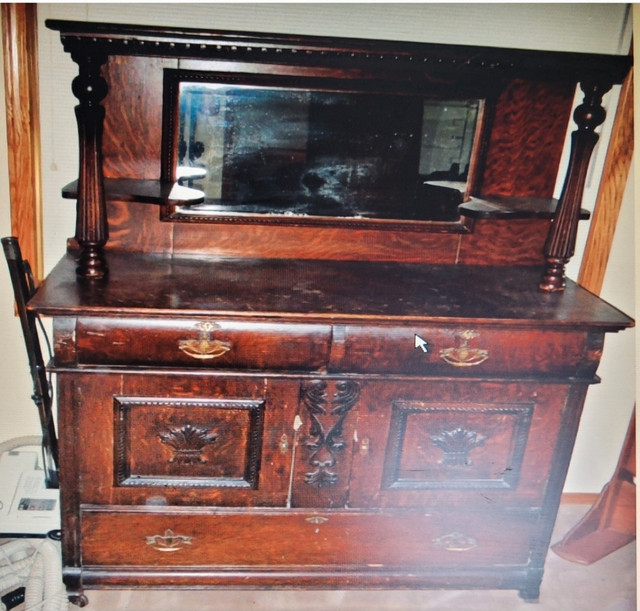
(607, 585)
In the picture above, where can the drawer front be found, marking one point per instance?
(304, 539)
(455, 350)
(202, 343)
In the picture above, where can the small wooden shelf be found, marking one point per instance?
(159, 193)
(500, 207)
(142, 191)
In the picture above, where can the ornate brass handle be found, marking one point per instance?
(462, 355)
(456, 542)
(204, 347)
(169, 542)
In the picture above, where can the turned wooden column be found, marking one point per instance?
(91, 215)
(561, 240)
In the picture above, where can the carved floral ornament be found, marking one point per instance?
(188, 442)
(325, 431)
(456, 445)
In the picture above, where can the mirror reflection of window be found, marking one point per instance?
(262, 150)
(448, 130)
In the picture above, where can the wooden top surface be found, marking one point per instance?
(326, 291)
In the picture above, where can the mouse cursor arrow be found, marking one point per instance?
(420, 343)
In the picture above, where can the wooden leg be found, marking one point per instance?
(530, 592)
(72, 578)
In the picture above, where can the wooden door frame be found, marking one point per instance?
(20, 59)
(613, 183)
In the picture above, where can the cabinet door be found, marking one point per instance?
(178, 439)
(455, 444)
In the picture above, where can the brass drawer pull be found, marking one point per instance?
(456, 542)
(169, 542)
(462, 355)
(204, 347)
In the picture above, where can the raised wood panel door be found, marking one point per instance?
(181, 439)
(455, 444)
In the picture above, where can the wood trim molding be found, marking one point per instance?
(609, 200)
(20, 58)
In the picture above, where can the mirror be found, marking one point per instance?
(266, 150)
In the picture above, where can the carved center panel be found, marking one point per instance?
(455, 446)
(327, 415)
(188, 442)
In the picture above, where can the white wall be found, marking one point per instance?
(18, 414)
(567, 27)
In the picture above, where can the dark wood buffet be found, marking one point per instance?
(313, 329)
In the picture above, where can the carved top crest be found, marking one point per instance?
(457, 60)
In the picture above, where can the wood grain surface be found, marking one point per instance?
(20, 52)
(610, 193)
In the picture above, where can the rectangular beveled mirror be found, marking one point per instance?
(263, 152)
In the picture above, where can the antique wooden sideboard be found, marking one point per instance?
(313, 329)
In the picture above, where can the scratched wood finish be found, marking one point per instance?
(610, 194)
(365, 443)
(320, 291)
(20, 52)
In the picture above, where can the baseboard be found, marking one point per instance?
(579, 498)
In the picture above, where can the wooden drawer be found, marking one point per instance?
(455, 350)
(287, 539)
(201, 343)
